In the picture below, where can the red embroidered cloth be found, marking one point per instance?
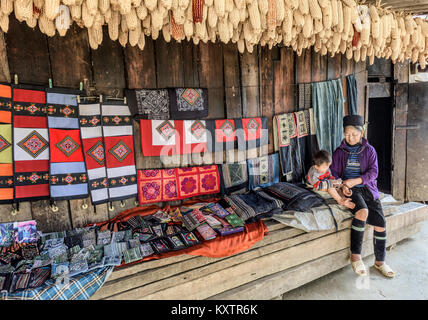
(176, 184)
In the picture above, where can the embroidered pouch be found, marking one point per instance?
(206, 231)
(160, 246)
(235, 220)
(176, 242)
(146, 250)
(190, 238)
(131, 255)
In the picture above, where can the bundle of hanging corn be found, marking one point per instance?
(358, 30)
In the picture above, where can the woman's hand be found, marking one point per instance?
(350, 183)
(346, 191)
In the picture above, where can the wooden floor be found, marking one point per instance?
(285, 259)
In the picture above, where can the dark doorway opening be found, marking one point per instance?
(380, 137)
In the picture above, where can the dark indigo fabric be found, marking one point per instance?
(328, 100)
(352, 94)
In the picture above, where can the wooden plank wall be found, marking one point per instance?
(239, 85)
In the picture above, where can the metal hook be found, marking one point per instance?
(54, 208)
(84, 206)
(110, 207)
(117, 93)
(122, 203)
(15, 210)
(136, 203)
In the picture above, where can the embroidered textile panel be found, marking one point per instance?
(188, 103)
(171, 137)
(149, 103)
(30, 143)
(223, 135)
(6, 163)
(93, 148)
(119, 151)
(177, 184)
(234, 177)
(67, 172)
(254, 133)
(294, 138)
(263, 171)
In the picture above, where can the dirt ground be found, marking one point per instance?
(409, 260)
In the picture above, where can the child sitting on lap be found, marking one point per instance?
(320, 178)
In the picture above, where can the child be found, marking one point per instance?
(321, 179)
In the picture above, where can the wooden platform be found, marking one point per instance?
(285, 259)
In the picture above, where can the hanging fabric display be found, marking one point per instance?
(30, 143)
(176, 184)
(6, 164)
(312, 144)
(67, 171)
(299, 151)
(149, 103)
(171, 137)
(263, 171)
(193, 134)
(295, 140)
(328, 100)
(93, 147)
(234, 177)
(222, 135)
(352, 94)
(119, 150)
(253, 133)
(158, 137)
(188, 103)
(284, 129)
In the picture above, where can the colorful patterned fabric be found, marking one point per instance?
(30, 144)
(254, 205)
(6, 164)
(170, 137)
(93, 147)
(149, 103)
(176, 184)
(188, 103)
(119, 151)
(253, 133)
(158, 137)
(294, 138)
(223, 134)
(67, 173)
(263, 171)
(80, 287)
(234, 177)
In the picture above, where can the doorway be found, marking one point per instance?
(379, 135)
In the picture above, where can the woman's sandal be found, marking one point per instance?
(359, 267)
(385, 270)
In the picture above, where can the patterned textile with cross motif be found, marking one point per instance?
(6, 163)
(67, 172)
(119, 150)
(159, 185)
(253, 133)
(93, 150)
(170, 137)
(234, 177)
(30, 143)
(263, 171)
(149, 103)
(188, 103)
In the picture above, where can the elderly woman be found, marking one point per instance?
(355, 162)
